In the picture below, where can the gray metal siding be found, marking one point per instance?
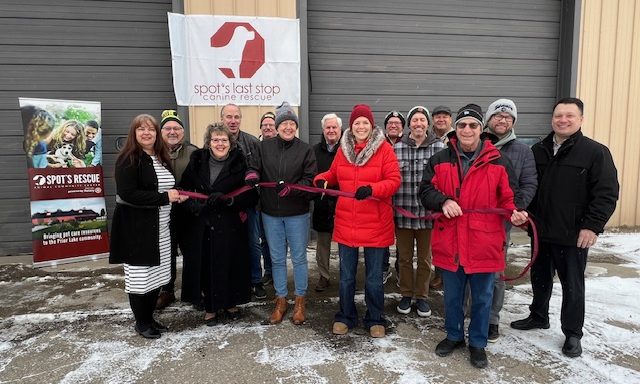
(115, 52)
(394, 55)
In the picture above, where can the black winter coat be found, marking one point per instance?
(292, 162)
(577, 188)
(324, 207)
(134, 230)
(225, 265)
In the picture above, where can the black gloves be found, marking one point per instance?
(363, 192)
(216, 198)
(252, 179)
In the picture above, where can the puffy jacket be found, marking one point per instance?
(292, 162)
(474, 241)
(577, 188)
(364, 223)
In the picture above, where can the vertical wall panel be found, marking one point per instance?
(609, 85)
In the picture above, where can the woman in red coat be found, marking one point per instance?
(366, 165)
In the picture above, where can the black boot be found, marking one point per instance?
(144, 325)
(446, 347)
(530, 323)
(572, 347)
(478, 357)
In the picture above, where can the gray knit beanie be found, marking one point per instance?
(284, 112)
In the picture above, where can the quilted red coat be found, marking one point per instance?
(474, 241)
(364, 223)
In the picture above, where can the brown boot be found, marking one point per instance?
(279, 310)
(298, 311)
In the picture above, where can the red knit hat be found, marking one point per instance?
(359, 111)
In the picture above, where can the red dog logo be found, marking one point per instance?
(228, 38)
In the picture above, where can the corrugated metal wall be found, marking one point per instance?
(609, 85)
(115, 52)
(397, 54)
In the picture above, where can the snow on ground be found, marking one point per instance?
(98, 345)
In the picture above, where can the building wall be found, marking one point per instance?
(609, 85)
(113, 51)
(200, 117)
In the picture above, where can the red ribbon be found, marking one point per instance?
(334, 192)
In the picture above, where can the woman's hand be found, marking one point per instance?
(174, 196)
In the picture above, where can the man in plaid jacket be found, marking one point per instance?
(413, 153)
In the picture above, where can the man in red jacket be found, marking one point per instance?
(468, 247)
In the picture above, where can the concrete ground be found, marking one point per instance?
(72, 324)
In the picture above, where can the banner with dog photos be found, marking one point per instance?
(63, 144)
(243, 60)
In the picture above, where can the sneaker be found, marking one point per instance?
(404, 306)
(340, 328)
(258, 291)
(478, 357)
(493, 333)
(446, 347)
(529, 323)
(377, 331)
(423, 308)
(323, 284)
(267, 279)
(386, 275)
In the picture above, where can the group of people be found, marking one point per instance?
(460, 183)
(71, 144)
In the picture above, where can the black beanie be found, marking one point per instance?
(268, 115)
(470, 110)
(395, 114)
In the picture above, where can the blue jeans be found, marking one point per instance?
(255, 248)
(264, 244)
(481, 285)
(373, 288)
(294, 232)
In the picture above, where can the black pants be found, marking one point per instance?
(570, 263)
(143, 307)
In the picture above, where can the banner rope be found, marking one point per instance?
(334, 192)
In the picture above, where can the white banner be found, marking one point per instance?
(235, 59)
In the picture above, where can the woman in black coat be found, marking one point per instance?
(215, 170)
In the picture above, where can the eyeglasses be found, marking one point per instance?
(268, 125)
(175, 129)
(219, 141)
(506, 118)
(394, 123)
(470, 125)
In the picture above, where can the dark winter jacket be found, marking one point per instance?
(292, 162)
(249, 146)
(324, 207)
(224, 253)
(180, 158)
(474, 241)
(364, 223)
(524, 168)
(577, 188)
(135, 228)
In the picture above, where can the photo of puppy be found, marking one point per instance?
(62, 157)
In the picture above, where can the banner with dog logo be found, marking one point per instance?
(235, 59)
(63, 144)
